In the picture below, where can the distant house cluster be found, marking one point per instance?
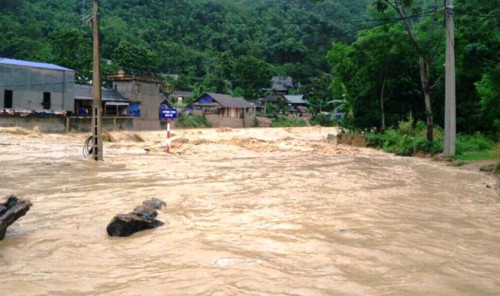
(38, 89)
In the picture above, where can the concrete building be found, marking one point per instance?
(145, 92)
(35, 86)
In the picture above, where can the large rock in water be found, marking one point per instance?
(11, 209)
(141, 218)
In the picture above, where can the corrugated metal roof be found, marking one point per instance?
(22, 63)
(183, 93)
(295, 99)
(84, 92)
(229, 101)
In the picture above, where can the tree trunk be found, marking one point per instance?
(426, 88)
(382, 93)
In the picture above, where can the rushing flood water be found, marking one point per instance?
(272, 223)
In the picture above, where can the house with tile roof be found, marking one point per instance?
(223, 110)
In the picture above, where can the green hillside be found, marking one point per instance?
(353, 57)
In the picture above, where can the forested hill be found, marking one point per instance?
(181, 36)
(351, 56)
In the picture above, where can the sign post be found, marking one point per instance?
(168, 114)
(167, 148)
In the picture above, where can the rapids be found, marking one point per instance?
(249, 212)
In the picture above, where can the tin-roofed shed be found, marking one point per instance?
(35, 86)
(113, 103)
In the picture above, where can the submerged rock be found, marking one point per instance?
(155, 203)
(141, 218)
(12, 209)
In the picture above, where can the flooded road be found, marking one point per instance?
(249, 212)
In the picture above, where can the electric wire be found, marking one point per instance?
(87, 147)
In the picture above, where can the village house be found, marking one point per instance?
(180, 96)
(144, 92)
(297, 105)
(31, 86)
(280, 85)
(285, 104)
(113, 103)
(223, 110)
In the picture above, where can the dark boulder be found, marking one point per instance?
(12, 209)
(141, 218)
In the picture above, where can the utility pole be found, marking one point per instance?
(450, 129)
(97, 152)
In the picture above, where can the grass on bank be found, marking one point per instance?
(288, 121)
(192, 121)
(409, 139)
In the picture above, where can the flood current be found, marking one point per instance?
(271, 223)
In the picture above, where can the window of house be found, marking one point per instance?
(7, 98)
(211, 110)
(46, 100)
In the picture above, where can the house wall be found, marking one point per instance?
(234, 122)
(230, 117)
(61, 124)
(83, 124)
(147, 94)
(218, 121)
(55, 124)
(29, 84)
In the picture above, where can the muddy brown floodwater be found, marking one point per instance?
(250, 212)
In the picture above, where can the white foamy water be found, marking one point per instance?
(290, 216)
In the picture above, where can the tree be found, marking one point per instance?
(72, 48)
(251, 74)
(489, 90)
(319, 93)
(424, 45)
(135, 59)
(477, 47)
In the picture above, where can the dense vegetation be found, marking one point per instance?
(217, 44)
(354, 57)
(379, 77)
(408, 138)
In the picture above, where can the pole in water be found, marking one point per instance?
(167, 147)
(96, 88)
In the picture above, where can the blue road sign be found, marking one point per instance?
(169, 113)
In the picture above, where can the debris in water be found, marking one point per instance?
(10, 210)
(141, 218)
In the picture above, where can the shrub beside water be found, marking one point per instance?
(409, 139)
(192, 121)
(288, 121)
(475, 142)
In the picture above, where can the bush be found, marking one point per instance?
(324, 119)
(408, 139)
(192, 121)
(471, 143)
(288, 121)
